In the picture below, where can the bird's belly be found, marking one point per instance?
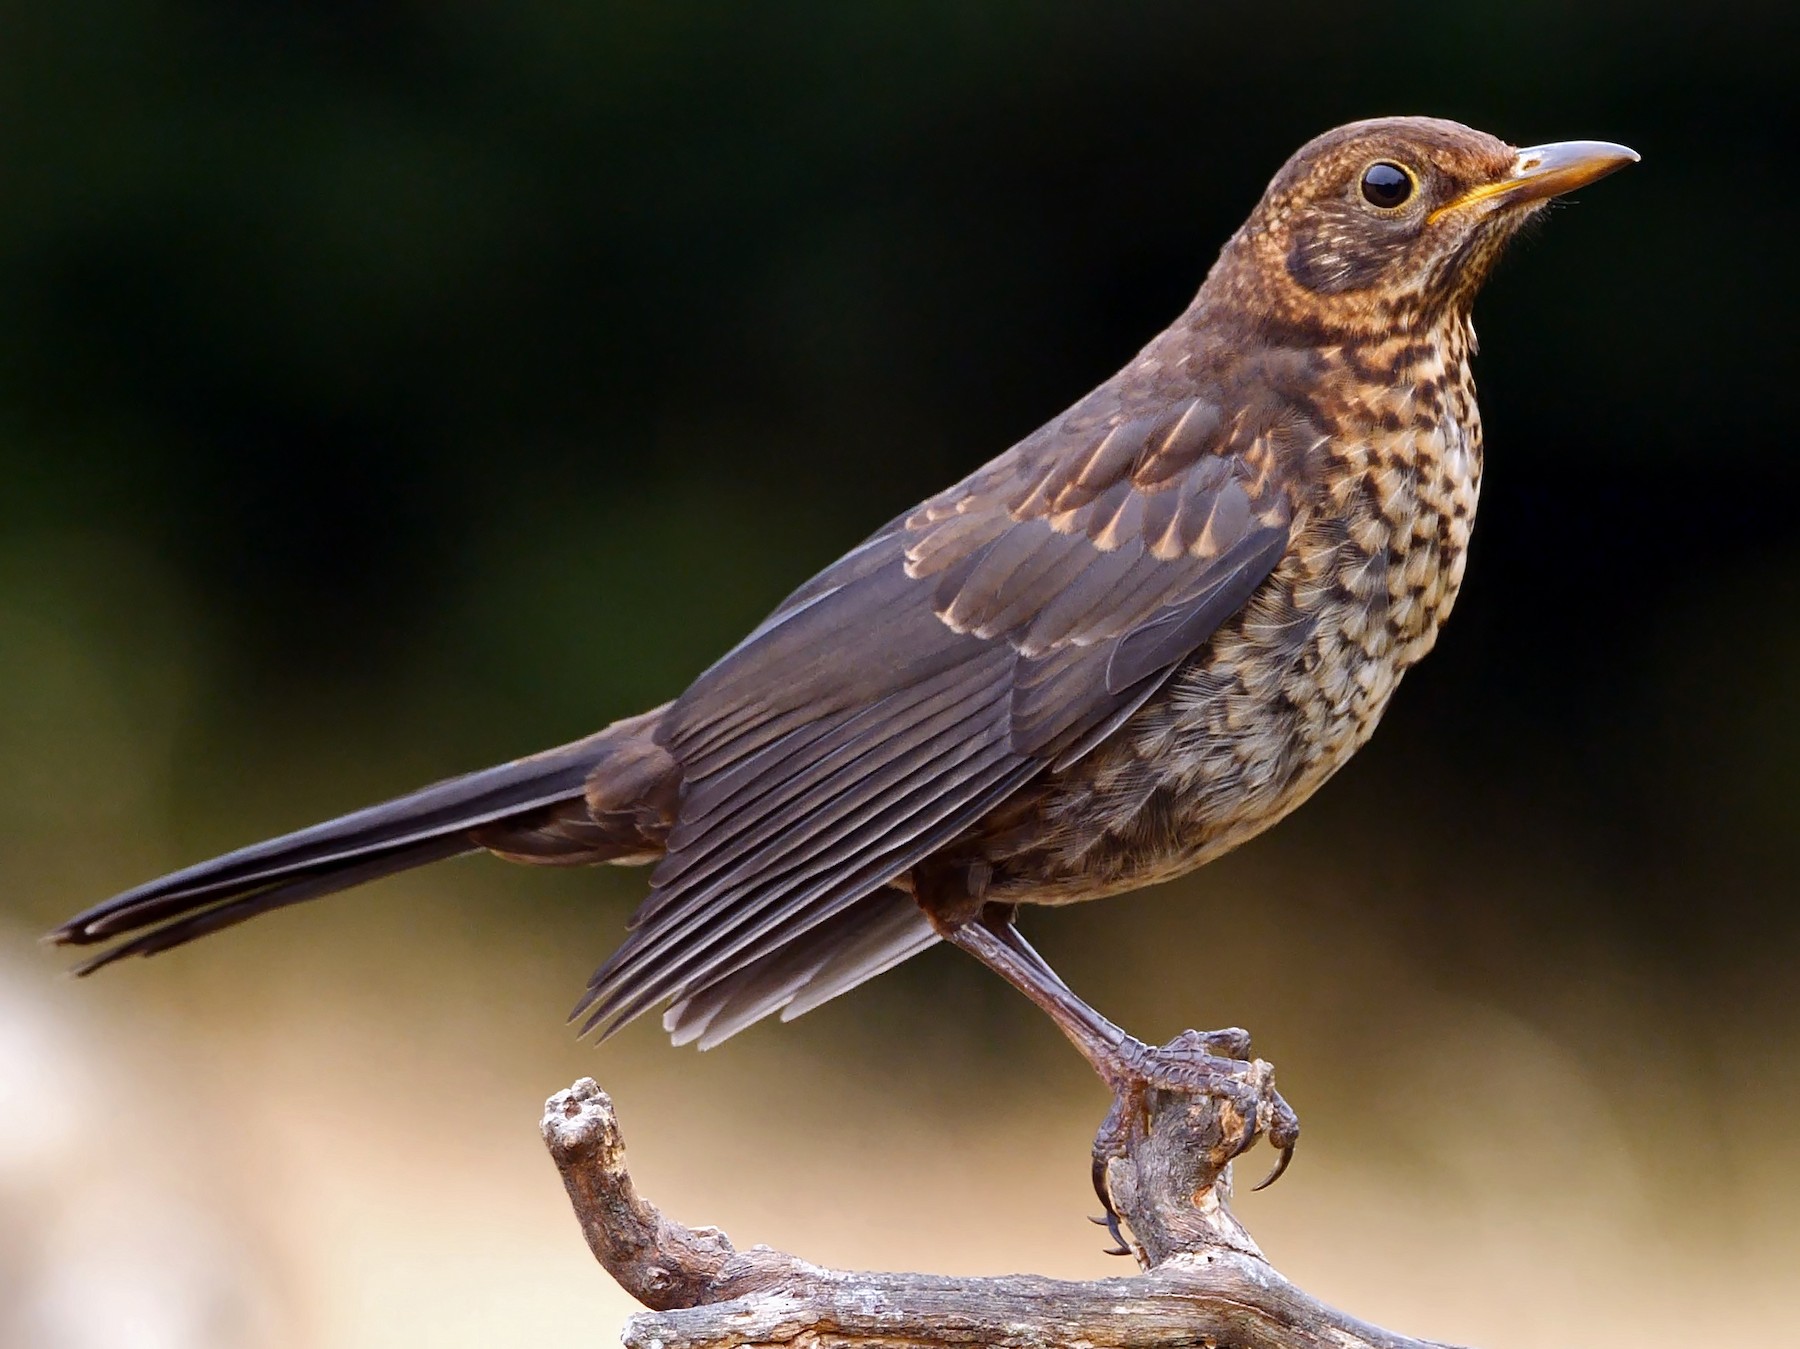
(1249, 728)
(1196, 772)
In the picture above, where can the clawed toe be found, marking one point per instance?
(1214, 1064)
(1113, 1140)
(1110, 1221)
(1231, 1043)
(1282, 1129)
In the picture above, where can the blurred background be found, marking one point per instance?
(389, 389)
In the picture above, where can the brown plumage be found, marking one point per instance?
(1137, 638)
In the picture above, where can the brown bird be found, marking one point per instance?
(1136, 639)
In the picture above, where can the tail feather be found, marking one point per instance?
(612, 797)
(425, 826)
(329, 880)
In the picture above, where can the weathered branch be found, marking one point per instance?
(1203, 1281)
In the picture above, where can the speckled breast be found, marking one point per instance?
(1286, 691)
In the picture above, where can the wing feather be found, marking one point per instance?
(858, 943)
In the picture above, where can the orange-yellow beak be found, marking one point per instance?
(1547, 171)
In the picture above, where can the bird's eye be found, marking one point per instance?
(1386, 185)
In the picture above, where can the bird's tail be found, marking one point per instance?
(531, 809)
(608, 798)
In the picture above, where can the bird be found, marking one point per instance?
(1137, 638)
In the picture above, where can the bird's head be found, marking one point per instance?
(1394, 223)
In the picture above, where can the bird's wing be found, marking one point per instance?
(1006, 625)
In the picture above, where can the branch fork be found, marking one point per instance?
(1202, 1281)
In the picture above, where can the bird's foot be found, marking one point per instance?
(1214, 1064)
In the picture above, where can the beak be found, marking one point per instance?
(1544, 171)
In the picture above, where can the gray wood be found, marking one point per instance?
(1202, 1280)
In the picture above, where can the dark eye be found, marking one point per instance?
(1386, 185)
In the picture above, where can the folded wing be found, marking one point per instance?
(1004, 627)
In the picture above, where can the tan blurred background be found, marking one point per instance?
(387, 390)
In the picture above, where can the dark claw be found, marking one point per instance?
(1111, 1223)
(1281, 1164)
(1111, 1219)
(1284, 1133)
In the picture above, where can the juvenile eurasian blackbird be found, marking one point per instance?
(1137, 638)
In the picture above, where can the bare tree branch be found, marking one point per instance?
(1203, 1282)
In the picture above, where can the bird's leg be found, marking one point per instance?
(1211, 1064)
